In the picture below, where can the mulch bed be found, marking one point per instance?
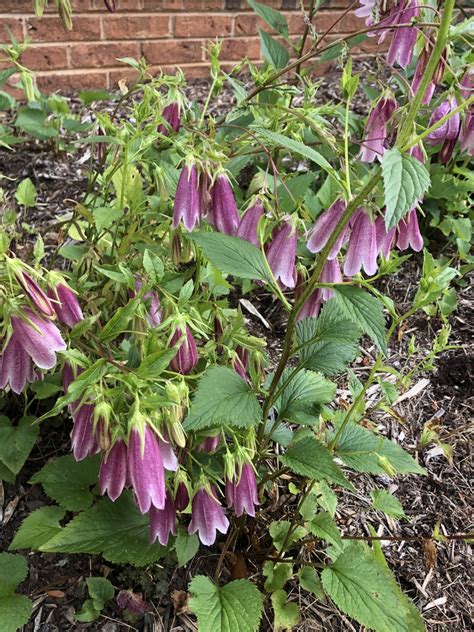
(440, 587)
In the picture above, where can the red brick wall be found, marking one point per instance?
(168, 33)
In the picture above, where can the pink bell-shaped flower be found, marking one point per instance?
(65, 305)
(403, 39)
(449, 130)
(186, 357)
(223, 215)
(281, 254)
(312, 306)
(362, 249)
(171, 115)
(409, 234)
(376, 132)
(249, 223)
(35, 293)
(325, 226)
(113, 470)
(181, 499)
(16, 366)
(170, 462)
(163, 521)
(209, 445)
(208, 516)
(331, 274)
(83, 439)
(145, 468)
(385, 238)
(40, 338)
(241, 492)
(187, 203)
(240, 362)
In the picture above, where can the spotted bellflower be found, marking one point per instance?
(408, 233)
(113, 470)
(362, 248)
(65, 304)
(145, 465)
(209, 445)
(311, 306)
(208, 516)
(249, 223)
(223, 214)
(240, 362)
(466, 136)
(281, 254)
(39, 338)
(33, 291)
(172, 118)
(16, 366)
(325, 226)
(448, 132)
(241, 491)
(153, 314)
(186, 357)
(376, 130)
(163, 521)
(83, 440)
(187, 203)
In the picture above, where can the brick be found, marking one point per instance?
(26, 6)
(121, 5)
(191, 71)
(13, 25)
(325, 20)
(202, 25)
(72, 82)
(249, 23)
(118, 27)
(170, 52)
(47, 57)
(51, 29)
(236, 49)
(101, 55)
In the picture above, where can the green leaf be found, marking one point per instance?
(297, 147)
(101, 591)
(153, 266)
(365, 311)
(364, 451)
(273, 18)
(279, 532)
(232, 255)
(186, 546)
(305, 390)
(16, 442)
(339, 47)
(386, 502)
(366, 591)
(15, 611)
(308, 457)
(69, 482)
(310, 581)
(106, 216)
(154, 364)
(223, 398)
(327, 343)
(116, 530)
(37, 528)
(13, 570)
(405, 181)
(287, 614)
(272, 51)
(6, 74)
(119, 321)
(323, 526)
(236, 607)
(26, 193)
(276, 575)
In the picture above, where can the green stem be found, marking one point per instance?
(346, 149)
(208, 100)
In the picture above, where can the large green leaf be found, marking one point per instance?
(303, 392)
(15, 610)
(236, 607)
(37, 528)
(365, 311)
(273, 18)
(405, 181)
(232, 255)
(16, 442)
(119, 322)
(365, 590)
(68, 482)
(116, 530)
(272, 51)
(308, 457)
(186, 546)
(223, 398)
(323, 526)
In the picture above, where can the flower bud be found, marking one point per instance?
(281, 254)
(172, 119)
(224, 215)
(187, 204)
(376, 132)
(65, 304)
(362, 249)
(186, 357)
(249, 224)
(33, 290)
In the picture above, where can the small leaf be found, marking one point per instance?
(119, 321)
(273, 18)
(287, 614)
(276, 575)
(323, 526)
(16, 442)
(101, 591)
(365, 311)
(13, 570)
(309, 580)
(186, 547)
(237, 606)
(279, 530)
(105, 217)
(153, 266)
(37, 528)
(305, 390)
(405, 180)
(386, 502)
(223, 398)
(272, 51)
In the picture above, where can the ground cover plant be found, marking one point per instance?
(134, 330)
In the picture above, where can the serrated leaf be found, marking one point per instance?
(308, 457)
(223, 398)
(237, 606)
(232, 255)
(405, 181)
(279, 530)
(365, 311)
(69, 482)
(186, 546)
(272, 51)
(326, 498)
(323, 526)
(105, 217)
(386, 502)
(16, 442)
(37, 528)
(305, 390)
(15, 611)
(116, 530)
(119, 321)
(310, 581)
(100, 591)
(276, 575)
(273, 18)
(366, 591)
(287, 614)
(153, 266)
(13, 570)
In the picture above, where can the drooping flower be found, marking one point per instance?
(40, 338)
(181, 499)
(324, 227)
(403, 39)
(208, 516)
(466, 136)
(312, 306)
(376, 130)
(35, 293)
(409, 234)
(163, 521)
(83, 439)
(384, 238)
(449, 130)
(186, 357)
(170, 462)
(421, 67)
(16, 367)
(145, 469)
(113, 470)
(209, 445)
(65, 304)
(187, 203)
(362, 249)
(154, 314)
(248, 224)
(171, 115)
(223, 214)
(281, 254)
(240, 362)
(331, 274)
(241, 492)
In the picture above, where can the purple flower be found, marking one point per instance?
(35, 293)
(449, 130)
(16, 367)
(40, 338)
(281, 254)
(207, 516)
(409, 232)
(331, 274)
(181, 499)
(153, 316)
(419, 71)
(113, 470)
(466, 136)
(170, 462)
(362, 249)
(127, 599)
(404, 39)
(240, 362)
(83, 440)
(241, 493)
(145, 469)
(163, 521)
(384, 239)
(186, 357)
(209, 445)
(249, 223)
(312, 306)
(373, 145)
(65, 305)
(467, 83)
(187, 203)
(224, 215)
(172, 117)
(325, 226)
